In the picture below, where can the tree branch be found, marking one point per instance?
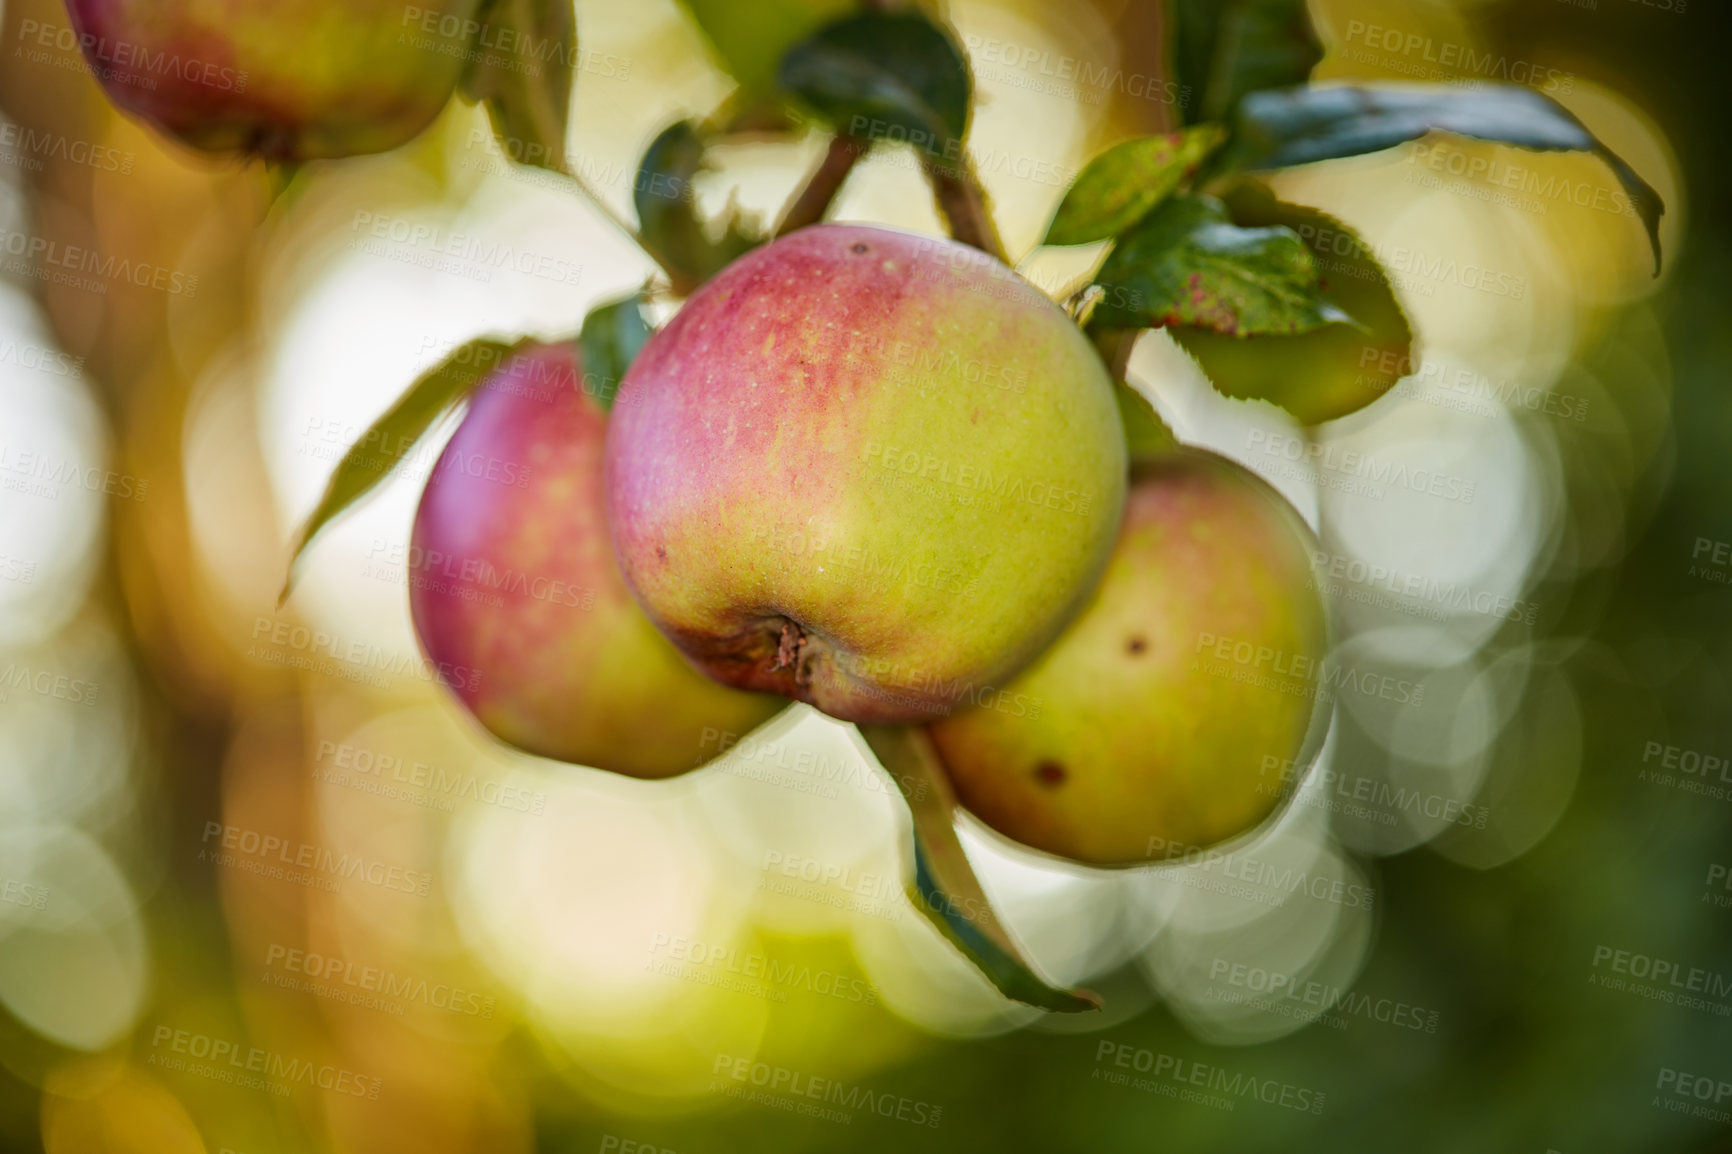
(963, 203)
(823, 185)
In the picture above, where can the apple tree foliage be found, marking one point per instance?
(1191, 242)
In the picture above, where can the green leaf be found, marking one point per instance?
(1330, 371)
(1147, 437)
(526, 85)
(1186, 264)
(613, 335)
(886, 76)
(1302, 125)
(1228, 48)
(668, 220)
(393, 436)
(942, 884)
(1121, 185)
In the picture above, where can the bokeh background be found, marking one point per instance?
(263, 889)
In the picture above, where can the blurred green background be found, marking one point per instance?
(519, 955)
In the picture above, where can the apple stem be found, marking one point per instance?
(823, 185)
(963, 203)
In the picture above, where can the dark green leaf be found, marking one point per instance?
(1227, 48)
(1301, 125)
(1187, 264)
(1121, 185)
(612, 336)
(526, 84)
(393, 436)
(886, 76)
(942, 884)
(1329, 371)
(667, 216)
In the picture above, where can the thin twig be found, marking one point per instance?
(963, 203)
(823, 185)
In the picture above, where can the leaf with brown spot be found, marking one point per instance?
(1186, 264)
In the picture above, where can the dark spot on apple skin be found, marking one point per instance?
(661, 552)
(859, 248)
(1135, 646)
(1050, 774)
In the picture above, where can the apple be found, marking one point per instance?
(1167, 718)
(287, 80)
(869, 470)
(511, 577)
